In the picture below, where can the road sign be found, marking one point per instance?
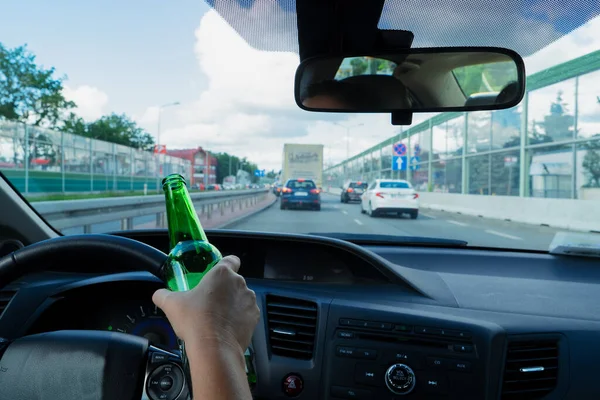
(414, 160)
(259, 172)
(417, 149)
(399, 163)
(399, 149)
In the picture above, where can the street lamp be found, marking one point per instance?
(348, 136)
(176, 103)
(160, 108)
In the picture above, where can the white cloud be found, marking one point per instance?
(577, 43)
(248, 107)
(91, 101)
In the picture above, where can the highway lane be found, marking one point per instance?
(338, 217)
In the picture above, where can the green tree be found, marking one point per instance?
(470, 78)
(29, 93)
(359, 66)
(591, 162)
(229, 164)
(112, 128)
(558, 125)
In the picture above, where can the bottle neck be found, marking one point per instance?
(182, 219)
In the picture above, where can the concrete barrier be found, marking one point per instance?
(580, 215)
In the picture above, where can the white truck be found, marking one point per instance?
(302, 161)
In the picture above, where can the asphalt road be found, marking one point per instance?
(338, 217)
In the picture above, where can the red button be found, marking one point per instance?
(292, 385)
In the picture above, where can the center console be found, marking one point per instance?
(390, 358)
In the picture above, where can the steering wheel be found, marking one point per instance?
(87, 364)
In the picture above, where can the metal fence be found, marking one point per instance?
(39, 160)
(547, 146)
(112, 214)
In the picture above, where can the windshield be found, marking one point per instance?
(394, 185)
(482, 78)
(99, 101)
(301, 185)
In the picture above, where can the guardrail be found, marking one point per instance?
(86, 213)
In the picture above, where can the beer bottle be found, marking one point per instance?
(191, 255)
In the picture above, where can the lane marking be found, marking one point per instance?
(504, 235)
(358, 222)
(345, 212)
(428, 216)
(457, 223)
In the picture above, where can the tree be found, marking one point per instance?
(112, 128)
(225, 160)
(29, 93)
(558, 125)
(359, 66)
(470, 78)
(591, 162)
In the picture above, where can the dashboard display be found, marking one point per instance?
(145, 320)
(297, 263)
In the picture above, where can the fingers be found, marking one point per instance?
(231, 262)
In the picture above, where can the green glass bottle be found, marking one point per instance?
(191, 255)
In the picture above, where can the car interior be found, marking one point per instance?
(342, 315)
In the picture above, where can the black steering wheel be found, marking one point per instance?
(87, 364)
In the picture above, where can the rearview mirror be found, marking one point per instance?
(412, 80)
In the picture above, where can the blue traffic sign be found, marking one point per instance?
(399, 163)
(417, 149)
(399, 149)
(259, 172)
(413, 161)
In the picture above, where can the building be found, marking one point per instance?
(204, 165)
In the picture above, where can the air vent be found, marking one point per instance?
(292, 326)
(531, 369)
(5, 298)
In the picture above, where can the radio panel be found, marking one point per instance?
(384, 360)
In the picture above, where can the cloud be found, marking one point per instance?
(579, 42)
(248, 108)
(91, 101)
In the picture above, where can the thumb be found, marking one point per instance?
(162, 299)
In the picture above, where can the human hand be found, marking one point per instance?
(220, 309)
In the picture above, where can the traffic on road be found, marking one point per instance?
(347, 218)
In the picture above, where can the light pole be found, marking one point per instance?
(158, 171)
(175, 103)
(348, 136)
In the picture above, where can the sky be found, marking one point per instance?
(133, 56)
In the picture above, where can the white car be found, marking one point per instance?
(390, 196)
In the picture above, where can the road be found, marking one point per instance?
(338, 217)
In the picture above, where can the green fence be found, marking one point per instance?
(38, 160)
(547, 146)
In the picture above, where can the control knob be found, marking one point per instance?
(400, 379)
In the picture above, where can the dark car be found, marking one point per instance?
(352, 191)
(300, 193)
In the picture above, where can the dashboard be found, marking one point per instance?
(342, 320)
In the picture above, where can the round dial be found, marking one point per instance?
(145, 320)
(400, 379)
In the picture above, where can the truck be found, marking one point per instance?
(302, 161)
